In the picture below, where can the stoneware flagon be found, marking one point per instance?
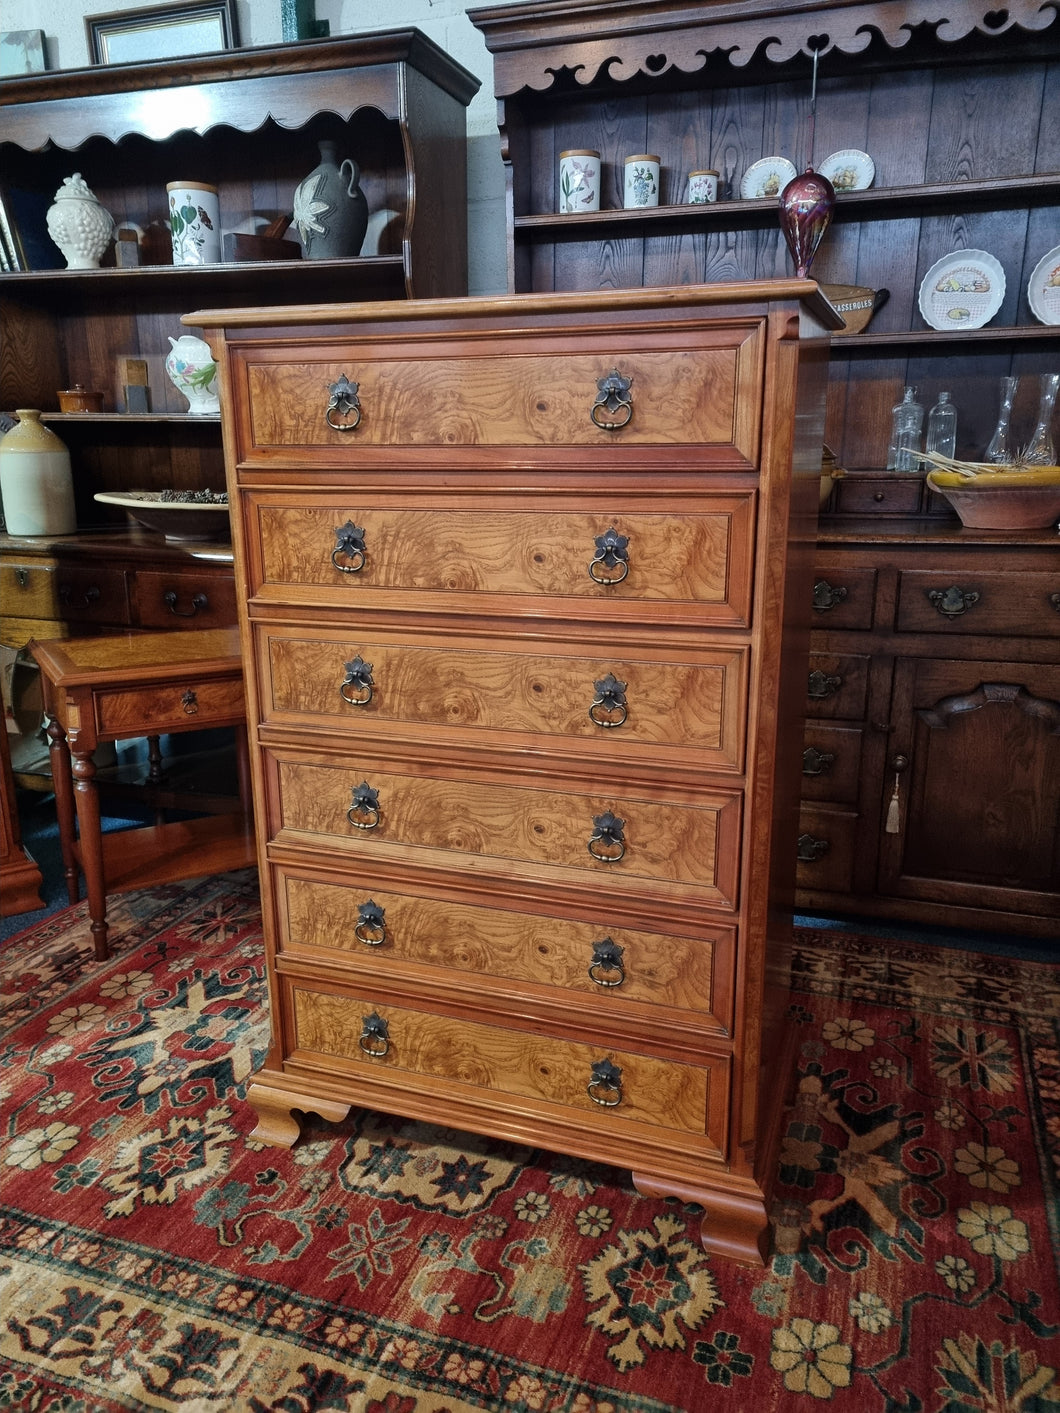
(36, 482)
(806, 207)
(330, 209)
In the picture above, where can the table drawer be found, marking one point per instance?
(149, 711)
(694, 388)
(831, 761)
(837, 686)
(63, 593)
(167, 600)
(1026, 604)
(441, 816)
(454, 557)
(844, 597)
(497, 1058)
(611, 964)
(826, 849)
(318, 679)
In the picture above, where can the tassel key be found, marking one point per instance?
(893, 822)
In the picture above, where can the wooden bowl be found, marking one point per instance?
(178, 520)
(1002, 500)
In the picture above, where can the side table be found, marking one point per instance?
(128, 685)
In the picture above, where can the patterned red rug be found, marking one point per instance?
(153, 1258)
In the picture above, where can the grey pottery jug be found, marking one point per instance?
(330, 210)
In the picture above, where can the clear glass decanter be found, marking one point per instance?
(1000, 451)
(1041, 449)
(907, 421)
(942, 427)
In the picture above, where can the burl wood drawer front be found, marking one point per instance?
(613, 700)
(166, 600)
(831, 760)
(511, 1062)
(608, 964)
(345, 551)
(826, 849)
(837, 686)
(614, 839)
(157, 709)
(971, 601)
(537, 392)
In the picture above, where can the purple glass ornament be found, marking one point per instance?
(806, 206)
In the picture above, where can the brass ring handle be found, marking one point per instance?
(608, 837)
(605, 1084)
(190, 702)
(609, 708)
(344, 401)
(607, 960)
(371, 924)
(363, 812)
(611, 553)
(350, 551)
(358, 676)
(199, 603)
(374, 1038)
(613, 407)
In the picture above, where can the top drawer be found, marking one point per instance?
(971, 601)
(39, 588)
(697, 387)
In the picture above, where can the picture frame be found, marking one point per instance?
(162, 32)
(21, 52)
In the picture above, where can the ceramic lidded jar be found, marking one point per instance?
(193, 372)
(330, 209)
(79, 225)
(36, 482)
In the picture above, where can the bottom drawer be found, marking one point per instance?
(358, 1032)
(826, 849)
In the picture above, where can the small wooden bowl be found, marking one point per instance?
(79, 399)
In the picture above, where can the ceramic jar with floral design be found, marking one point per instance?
(79, 225)
(194, 223)
(193, 372)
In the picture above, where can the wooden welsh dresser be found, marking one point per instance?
(523, 588)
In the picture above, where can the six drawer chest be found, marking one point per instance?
(524, 592)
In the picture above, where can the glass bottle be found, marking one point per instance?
(907, 420)
(1041, 450)
(942, 427)
(999, 452)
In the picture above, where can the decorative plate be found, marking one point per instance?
(849, 170)
(177, 516)
(1043, 291)
(767, 177)
(963, 290)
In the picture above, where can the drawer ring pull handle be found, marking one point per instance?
(371, 924)
(613, 407)
(954, 601)
(198, 604)
(346, 403)
(350, 552)
(609, 705)
(374, 1038)
(605, 1084)
(608, 837)
(606, 962)
(612, 551)
(190, 702)
(363, 812)
(359, 677)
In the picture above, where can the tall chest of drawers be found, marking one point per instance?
(524, 584)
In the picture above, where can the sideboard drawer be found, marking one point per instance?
(826, 849)
(977, 601)
(837, 686)
(164, 600)
(831, 761)
(844, 598)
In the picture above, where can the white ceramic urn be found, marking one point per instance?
(193, 372)
(79, 225)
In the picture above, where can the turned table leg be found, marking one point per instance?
(63, 784)
(87, 798)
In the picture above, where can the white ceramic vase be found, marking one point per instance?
(79, 225)
(193, 372)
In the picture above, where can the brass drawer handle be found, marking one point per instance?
(359, 677)
(199, 604)
(825, 596)
(608, 837)
(811, 849)
(815, 762)
(954, 601)
(613, 407)
(349, 553)
(605, 1084)
(190, 702)
(611, 553)
(609, 705)
(345, 402)
(371, 924)
(606, 968)
(363, 812)
(822, 684)
(374, 1038)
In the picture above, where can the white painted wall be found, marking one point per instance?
(444, 21)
